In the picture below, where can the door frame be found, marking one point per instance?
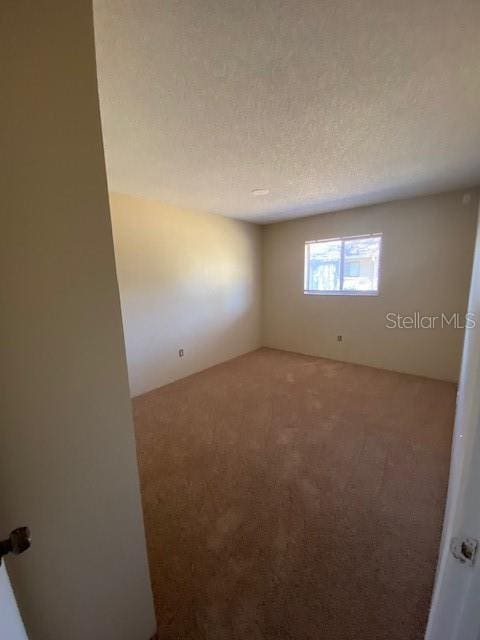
(11, 624)
(455, 607)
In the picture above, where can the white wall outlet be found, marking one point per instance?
(180, 353)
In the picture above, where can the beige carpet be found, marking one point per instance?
(288, 497)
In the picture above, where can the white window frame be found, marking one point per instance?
(341, 292)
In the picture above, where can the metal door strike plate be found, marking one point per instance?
(464, 550)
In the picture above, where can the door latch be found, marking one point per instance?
(464, 550)
(17, 542)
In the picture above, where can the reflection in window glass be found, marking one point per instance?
(363, 255)
(324, 266)
(349, 265)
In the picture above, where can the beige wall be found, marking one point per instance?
(67, 453)
(426, 265)
(187, 280)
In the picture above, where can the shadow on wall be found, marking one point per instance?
(208, 343)
(188, 280)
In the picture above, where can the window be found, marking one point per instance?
(345, 266)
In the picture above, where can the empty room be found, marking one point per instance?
(241, 307)
(292, 191)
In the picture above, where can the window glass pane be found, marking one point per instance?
(324, 266)
(361, 264)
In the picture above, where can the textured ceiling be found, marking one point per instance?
(328, 104)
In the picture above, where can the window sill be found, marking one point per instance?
(349, 294)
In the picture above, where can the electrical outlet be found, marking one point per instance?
(180, 353)
(339, 338)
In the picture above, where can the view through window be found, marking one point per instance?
(347, 265)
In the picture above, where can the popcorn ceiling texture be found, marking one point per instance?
(329, 104)
(288, 497)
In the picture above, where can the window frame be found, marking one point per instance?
(341, 292)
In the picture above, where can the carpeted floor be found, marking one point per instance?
(288, 497)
